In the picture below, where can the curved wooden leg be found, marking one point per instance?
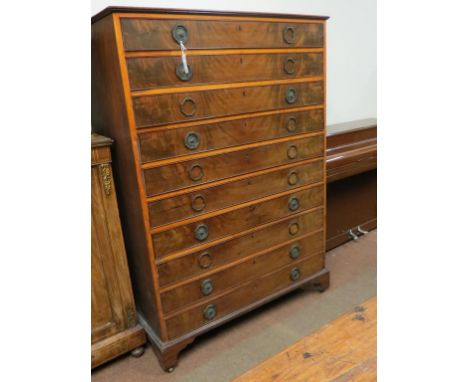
(319, 284)
(169, 357)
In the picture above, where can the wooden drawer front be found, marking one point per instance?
(170, 210)
(154, 110)
(192, 139)
(146, 34)
(157, 72)
(213, 284)
(243, 296)
(162, 179)
(216, 227)
(222, 254)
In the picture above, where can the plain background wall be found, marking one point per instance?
(351, 43)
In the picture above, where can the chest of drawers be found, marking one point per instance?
(219, 162)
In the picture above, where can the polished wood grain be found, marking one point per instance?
(238, 115)
(243, 295)
(351, 149)
(109, 117)
(166, 143)
(159, 72)
(343, 350)
(215, 257)
(114, 329)
(252, 268)
(224, 224)
(147, 34)
(154, 110)
(145, 12)
(352, 180)
(173, 209)
(165, 178)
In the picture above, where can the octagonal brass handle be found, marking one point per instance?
(201, 232)
(289, 65)
(293, 178)
(295, 251)
(209, 312)
(188, 107)
(182, 74)
(293, 204)
(292, 152)
(291, 95)
(290, 34)
(180, 34)
(293, 228)
(291, 124)
(295, 274)
(205, 260)
(192, 140)
(207, 287)
(196, 172)
(198, 203)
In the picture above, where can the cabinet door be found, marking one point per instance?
(112, 307)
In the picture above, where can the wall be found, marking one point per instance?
(351, 43)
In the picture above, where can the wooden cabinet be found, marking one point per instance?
(352, 181)
(219, 164)
(114, 328)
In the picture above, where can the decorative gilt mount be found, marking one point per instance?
(106, 176)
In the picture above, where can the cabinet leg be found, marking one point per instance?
(138, 352)
(319, 284)
(169, 357)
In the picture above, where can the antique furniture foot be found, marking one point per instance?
(168, 357)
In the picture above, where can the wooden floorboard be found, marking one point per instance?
(342, 351)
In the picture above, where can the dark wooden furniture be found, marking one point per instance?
(352, 180)
(219, 165)
(114, 328)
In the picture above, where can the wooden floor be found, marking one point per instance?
(344, 350)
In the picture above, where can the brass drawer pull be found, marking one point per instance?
(291, 124)
(292, 152)
(196, 173)
(205, 260)
(293, 228)
(201, 232)
(291, 95)
(198, 203)
(207, 287)
(188, 107)
(295, 252)
(289, 65)
(182, 74)
(192, 141)
(293, 178)
(295, 274)
(180, 34)
(293, 204)
(289, 34)
(209, 312)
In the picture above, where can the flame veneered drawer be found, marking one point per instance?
(161, 109)
(176, 208)
(147, 34)
(243, 296)
(228, 223)
(216, 256)
(170, 177)
(213, 284)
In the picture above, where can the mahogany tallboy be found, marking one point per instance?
(219, 160)
(114, 327)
